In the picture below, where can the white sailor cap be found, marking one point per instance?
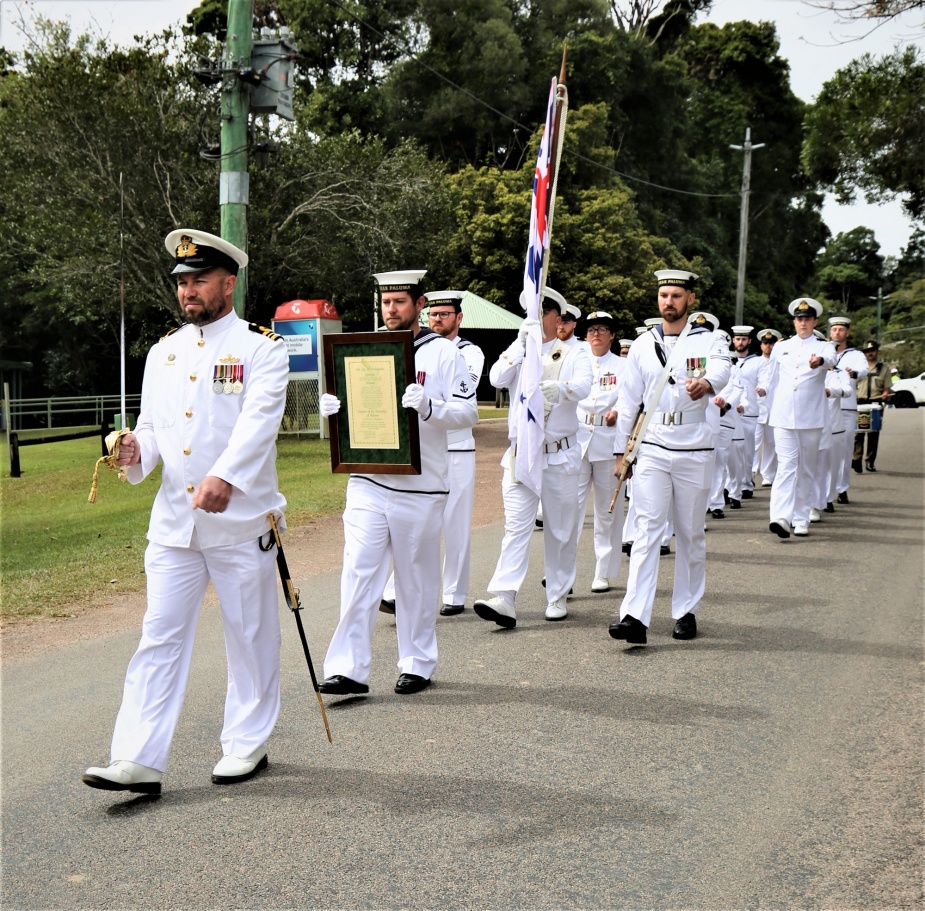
(407, 280)
(600, 316)
(803, 305)
(769, 335)
(701, 318)
(743, 330)
(449, 298)
(641, 330)
(676, 277)
(197, 251)
(626, 342)
(839, 320)
(652, 321)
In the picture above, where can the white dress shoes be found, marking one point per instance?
(231, 769)
(497, 610)
(801, 529)
(556, 610)
(600, 584)
(815, 515)
(123, 775)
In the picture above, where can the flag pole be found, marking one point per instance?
(555, 144)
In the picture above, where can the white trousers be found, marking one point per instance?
(765, 454)
(380, 524)
(749, 429)
(668, 484)
(560, 531)
(155, 683)
(608, 526)
(797, 454)
(846, 454)
(723, 455)
(629, 523)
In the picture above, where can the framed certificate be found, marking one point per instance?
(372, 433)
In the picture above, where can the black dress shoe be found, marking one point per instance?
(870, 466)
(450, 610)
(685, 628)
(386, 606)
(411, 683)
(735, 504)
(747, 494)
(843, 497)
(630, 629)
(627, 547)
(856, 465)
(830, 507)
(717, 514)
(342, 686)
(664, 550)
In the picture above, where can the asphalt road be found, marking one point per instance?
(774, 762)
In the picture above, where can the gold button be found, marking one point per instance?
(189, 488)
(189, 414)
(192, 376)
(186, 451)
(201, 342)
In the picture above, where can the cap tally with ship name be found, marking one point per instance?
(450, 298)
(406, 280)
(677, 277)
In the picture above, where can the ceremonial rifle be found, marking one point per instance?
(295, 605)
(645, 416)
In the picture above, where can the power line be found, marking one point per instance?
(404, 48)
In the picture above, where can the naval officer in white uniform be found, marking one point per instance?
(566, 380)
(597, 418)
(399, 516)
(795, 385)
(675, 466)
(211, 404)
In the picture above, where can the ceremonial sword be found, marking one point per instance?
(642, 422)
(295, 605)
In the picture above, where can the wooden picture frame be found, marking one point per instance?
(372, 433)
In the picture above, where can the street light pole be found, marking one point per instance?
(748, 148)
(233, 180)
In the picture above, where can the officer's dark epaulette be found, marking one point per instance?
(171, 332)
(269, 333)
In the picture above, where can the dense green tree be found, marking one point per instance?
(866, 131)
(850, 270)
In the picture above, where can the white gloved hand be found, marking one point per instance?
(550, 390)
(415, 398)
(328, 405)
(524, 330)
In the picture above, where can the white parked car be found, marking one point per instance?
(909, 393)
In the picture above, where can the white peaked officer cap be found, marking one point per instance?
(805, 305)
(652, 321)
(839, 321)
(600, 317)
(549, 294)
(450, 298)
(769, 335)
(743, 330)
(819, 335)
(407, 280)
(626, 342)
(701, 318)
(676, 277)
(572, 311)
(197, 251)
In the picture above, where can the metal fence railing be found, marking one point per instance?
(67, 411)
(301, 414)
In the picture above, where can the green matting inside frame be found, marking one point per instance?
(400, 456)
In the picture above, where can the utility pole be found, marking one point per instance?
(233, 182)
(879, 300)
(748, 148)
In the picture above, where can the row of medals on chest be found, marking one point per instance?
(228, 375)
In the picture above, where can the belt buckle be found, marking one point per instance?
(671, 420)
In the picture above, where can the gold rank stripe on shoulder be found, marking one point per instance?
(170, 332)
(269, 333)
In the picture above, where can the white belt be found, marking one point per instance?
(557, 445)
(596, 420)
(678, 417)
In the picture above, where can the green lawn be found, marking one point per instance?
(56, 549)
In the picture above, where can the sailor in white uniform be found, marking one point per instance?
(765, 461)
(597, 418)
(837, 387)
(212, 400)
(400, 515)
(855, 365)
(796, 395)
(672, 475)
(749, 367)
(566, 380)
(725, 465)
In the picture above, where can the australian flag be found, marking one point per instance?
(527, 424)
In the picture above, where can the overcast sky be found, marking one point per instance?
(816, 44)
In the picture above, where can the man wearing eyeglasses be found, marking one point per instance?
(797, 411)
